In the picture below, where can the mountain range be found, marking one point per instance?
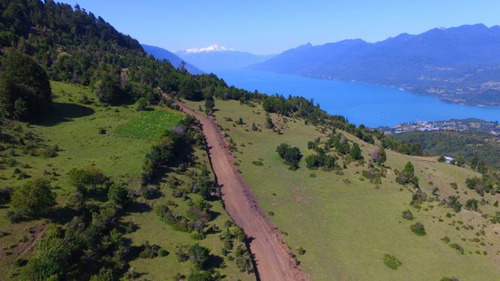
(460, 64)
(216, 57)
(163, 54)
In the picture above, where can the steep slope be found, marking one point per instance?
(459, 64)
(163, 54)
(218, 57)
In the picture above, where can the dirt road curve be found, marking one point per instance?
(274, 262)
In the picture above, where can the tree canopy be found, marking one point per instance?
(24, 87)
(34, 198)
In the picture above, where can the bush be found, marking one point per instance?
(472, 204)
(104, 275)
(34, 198)
(182, 254)
(496, 217)
(458, 248)
(150, 251)
(141, 104)
(454, 203)
(408, 215)
(196, 275)
(290, 155)
(418, 229)
(14, 216)
(392, 262)
(301, 251)
(199, 256)
(418, 198)
(258, 163)
(118, 194)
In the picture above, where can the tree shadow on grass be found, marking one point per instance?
(138, 207)
(214, 262)
(62, 215)
(64, 112)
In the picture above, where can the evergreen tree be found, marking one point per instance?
(356, 152)
(24, 87)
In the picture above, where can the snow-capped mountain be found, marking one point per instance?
(212, 48)
(217, 56)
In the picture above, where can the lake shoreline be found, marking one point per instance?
(361, 103)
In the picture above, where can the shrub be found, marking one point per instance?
(472, 204)
(197, 275)
(418, 198)
(301, 251)
(458, 248)
(104, 275)
(418, 228)
(258, 163)
(141, 104)
(199, 256)
(392, 262)
(118, 194)
(149, 251)
(408, 215)
(34, 198)
(182, 254)
(454, 203)
(290, 155)
(496, 217)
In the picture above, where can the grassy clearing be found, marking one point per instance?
(83, 133)
(74, 127)
(150, 124)
(346, 224)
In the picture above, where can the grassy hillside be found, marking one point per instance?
(115, 140)
(346, 224)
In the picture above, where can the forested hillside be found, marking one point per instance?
(103, 178)
(466, 146)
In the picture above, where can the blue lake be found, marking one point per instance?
(366, 104)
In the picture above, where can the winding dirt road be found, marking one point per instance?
(272, 257)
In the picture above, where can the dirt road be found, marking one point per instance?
(273, 259)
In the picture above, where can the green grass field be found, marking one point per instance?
(86, 135)
(346, 227)
(150, 124)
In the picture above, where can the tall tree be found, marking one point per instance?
(24, 87)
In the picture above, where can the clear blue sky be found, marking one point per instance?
(272, 26)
